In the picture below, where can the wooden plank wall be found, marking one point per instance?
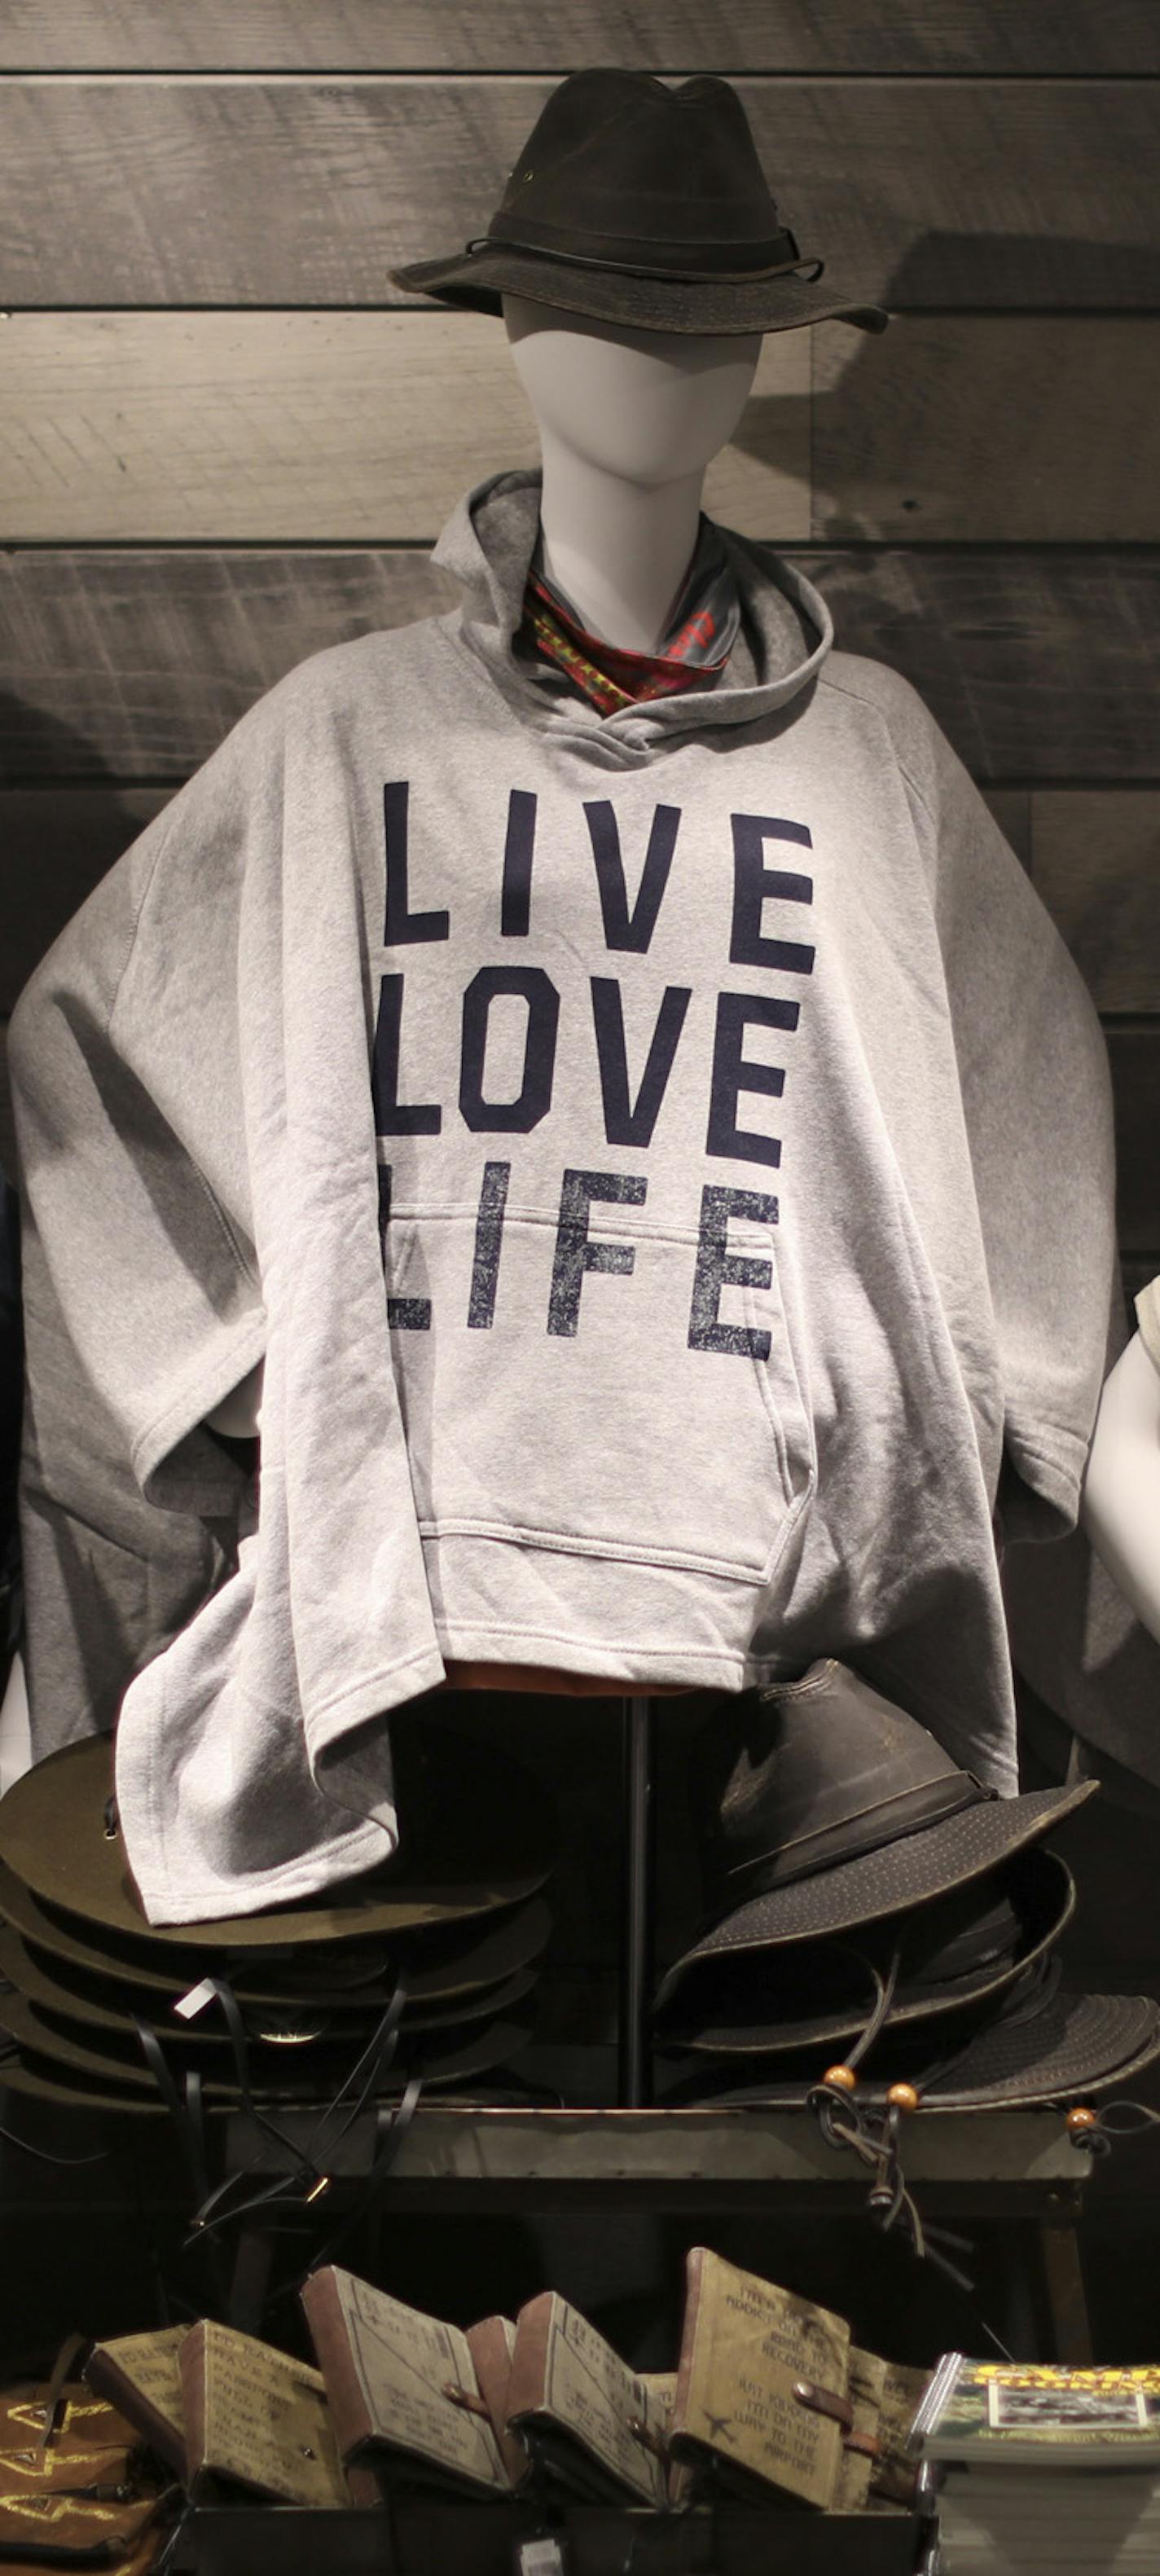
(226, 440)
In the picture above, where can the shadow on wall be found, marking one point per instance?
(995, 421)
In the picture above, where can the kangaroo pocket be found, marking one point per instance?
(610, 1391)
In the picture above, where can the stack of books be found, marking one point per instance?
(1043, 2471)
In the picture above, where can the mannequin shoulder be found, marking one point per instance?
(874, 684)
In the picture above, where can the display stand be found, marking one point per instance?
(638, 1872)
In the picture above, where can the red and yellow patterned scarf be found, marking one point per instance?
(694, 649)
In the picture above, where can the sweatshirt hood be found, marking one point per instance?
(786, 629)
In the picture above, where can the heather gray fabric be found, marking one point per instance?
(740, 1155)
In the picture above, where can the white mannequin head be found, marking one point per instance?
(651, 406)
(628, 422)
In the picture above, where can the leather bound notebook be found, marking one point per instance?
(595, 2425)
(141, 2374)
(402, 2386)
(492, 2345)
(746, 2349)
(256, 2418)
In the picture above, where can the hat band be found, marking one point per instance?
(887, 1822)
(645, 265)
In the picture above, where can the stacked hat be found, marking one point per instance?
(879, 1923)
(422, 1970)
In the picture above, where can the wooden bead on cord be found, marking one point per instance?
(843, 2076)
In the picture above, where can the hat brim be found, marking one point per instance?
(1075, 2046)
(444, 2057)
(440, 1962)
(110, 2002)
(476, 1833)
(907, 1871)
(1046, 1901)
(477, 281)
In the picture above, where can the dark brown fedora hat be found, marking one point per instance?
(639, 203)
(824, 1806)
(941, 1959)
(478, 1834)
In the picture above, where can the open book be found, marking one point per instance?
(256, 2418)
(402, 2386)
(141, 2374)
(597, 2427)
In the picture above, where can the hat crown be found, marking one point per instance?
(621, 161)
(826, 1768)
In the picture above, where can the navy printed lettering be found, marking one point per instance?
(624, 929)
(404, 1314)
(402, 925)
(575, 1250)
(509, 1117)
(515, 903)
(718, 1268)
(754, 885)
(488, 1238)
(392, 1116)
(626, 1122)
(734, 1072)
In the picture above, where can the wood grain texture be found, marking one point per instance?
(335, 427)
(1039, 667)
(1096, 863)
(1135, 1061)
(987, 427)
(304, 192)
(482, 35)
(133, 663)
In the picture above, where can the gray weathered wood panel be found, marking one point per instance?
(1096, 862)
(1040, 666)
(482, 35)
(337, 427)
(984, 427)
(332, 427)
(133, 663)
(297, 191)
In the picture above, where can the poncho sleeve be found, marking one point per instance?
(1036, 1097)
(141, 1300)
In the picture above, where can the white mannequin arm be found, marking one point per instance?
(239, 1415)
(1120, 1506)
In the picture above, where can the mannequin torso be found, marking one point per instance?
(628, 421)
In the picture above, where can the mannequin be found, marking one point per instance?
(1121, 1496)
(629, 422)
(720, 1063)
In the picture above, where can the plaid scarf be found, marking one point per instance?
(695, 647)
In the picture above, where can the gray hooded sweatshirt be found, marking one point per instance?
(732, 1130)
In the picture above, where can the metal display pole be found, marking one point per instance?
(636, 1942)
